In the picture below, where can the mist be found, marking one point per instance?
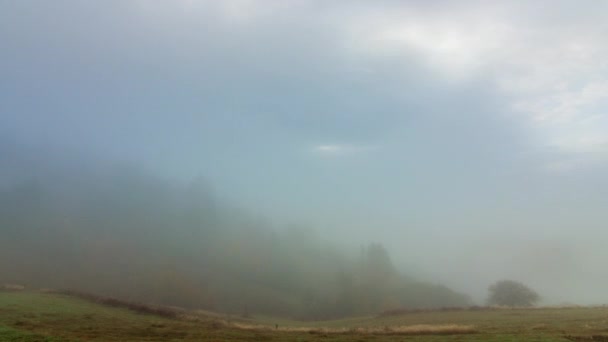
(288, 158)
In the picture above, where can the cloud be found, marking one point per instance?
(232, 12)
(550, 67)
(336, 150)
(456, 41)
(567, 105)
(329, 148)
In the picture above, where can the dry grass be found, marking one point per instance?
(406, 311)
(162, 311)
(418, 329)
(12, 287)
(217, 322)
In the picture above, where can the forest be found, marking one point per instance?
(117, 230)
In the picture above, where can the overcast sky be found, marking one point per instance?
(470, 137)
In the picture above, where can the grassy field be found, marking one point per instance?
(34, 316)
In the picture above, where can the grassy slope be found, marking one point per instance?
(9, 334)
(28, 316)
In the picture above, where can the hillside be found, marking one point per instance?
(123, 232)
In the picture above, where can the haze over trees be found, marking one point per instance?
(511, 293)
(119, 231)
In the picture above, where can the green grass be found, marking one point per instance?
(32, 316)
(10, 334)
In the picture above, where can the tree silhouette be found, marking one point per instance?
(511, 293)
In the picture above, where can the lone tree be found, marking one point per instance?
(512, 293)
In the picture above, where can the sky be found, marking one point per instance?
(469, 137)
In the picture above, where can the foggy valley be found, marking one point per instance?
(305, 160)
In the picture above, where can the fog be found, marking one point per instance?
(243, 155)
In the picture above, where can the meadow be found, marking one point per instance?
(39, 316)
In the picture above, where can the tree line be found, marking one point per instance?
(125, 233)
